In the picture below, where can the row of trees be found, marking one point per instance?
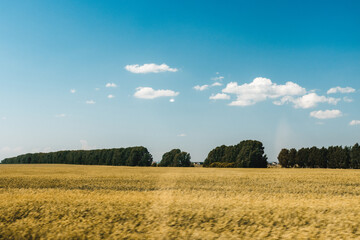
(331, 157)
(175, 158)
(132, 156)
(246, 154)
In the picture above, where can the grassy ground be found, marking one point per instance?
(64, 201)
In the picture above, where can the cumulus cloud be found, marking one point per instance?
(149, 68)
(326, 114)
(219, 96)
(73, 91)
(150, 93)
(261, 89)
(201, 88)
(90, 102)
(354, 122)
(112, 85)
(172, 100)
(110, 96)
(341, 90)
(309, 100)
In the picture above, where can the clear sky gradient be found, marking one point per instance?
(64, 83)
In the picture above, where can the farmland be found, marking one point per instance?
(71, 201)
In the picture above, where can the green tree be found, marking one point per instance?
(292, 157)
(355, 157)
(175, 158)
(284, 157)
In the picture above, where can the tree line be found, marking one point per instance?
(246, 154)
(132, 156)
(331, 157)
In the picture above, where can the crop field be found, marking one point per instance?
(82, 202)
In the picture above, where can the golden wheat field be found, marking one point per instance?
(94, 202)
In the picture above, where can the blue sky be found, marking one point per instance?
(229, 71)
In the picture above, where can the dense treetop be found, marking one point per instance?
(331, 157)
(246, 154)
(175, 158)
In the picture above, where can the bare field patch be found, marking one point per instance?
(82, 202)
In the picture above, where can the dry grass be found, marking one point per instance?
(80, 202)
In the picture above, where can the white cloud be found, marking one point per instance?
(206, 86)
(149, 68)
(340, 90)
(61, 115)
(326, 114)
(73, 91)
(309, 100)
(219, 78)
(172, 100)
(354, 122)
(110, 96)
(182, 135)
(219, 96)
(201, 88)
(261, 89)
(97, 89)
(90, 102)
(347, 99)
(112, 85)
(150, 93)
(3, 118)
(216, 84)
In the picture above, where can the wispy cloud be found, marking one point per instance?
(219, 78)
(149, 68)
(61, 115)
(90, 102)
(347, 99)
(72, 91)
(10, 151)
(111, 96)
(110, 85)
(85, 145)
(216, 84)
(354, 122)
(182, 135)
(327, 114)
(201, 88)
(340, 90)
(150, 93)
